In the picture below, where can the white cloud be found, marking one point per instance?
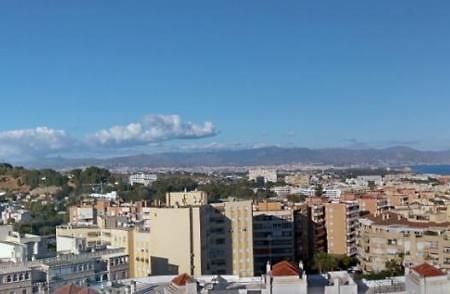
(28, 143)
(152, 129)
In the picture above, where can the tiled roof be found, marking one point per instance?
(182, 280)
(391, 218)
(73, 289)
(426, 270)
(285, 268)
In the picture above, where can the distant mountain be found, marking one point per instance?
(394, 156)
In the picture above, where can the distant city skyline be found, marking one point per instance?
(107, 78)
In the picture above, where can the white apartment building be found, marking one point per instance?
(143, 179)
(16, 214)
(365, 181)
(269, 175)
(16, 247)
(109, 196)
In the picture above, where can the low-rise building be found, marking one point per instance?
(427, 279)
(15, 215)
(17, 247)
(46, 275)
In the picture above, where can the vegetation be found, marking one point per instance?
(45, 219)
(44, 177)
(296, 198)
(324, 262)
(394, 268)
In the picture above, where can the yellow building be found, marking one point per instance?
(206, 239)
(239, 215)
(341, 221)
(176, 241)
(391, 236)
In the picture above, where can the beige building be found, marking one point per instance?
(205, 239)
(373, 204)
(391, 236)
(341, 221)
(239, 221)
(176, 241)
(192, 198)
(298, 180)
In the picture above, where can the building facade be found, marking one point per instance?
(341, 221)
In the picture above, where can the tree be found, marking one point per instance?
(394, 267)
(296, 198)
(325, 262)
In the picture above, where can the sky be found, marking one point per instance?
(91, 78)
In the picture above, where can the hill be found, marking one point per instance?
(395, 156)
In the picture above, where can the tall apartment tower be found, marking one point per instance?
(273, 234)
(341, 221)
(176, 236)
(310, 230)
(239, 222)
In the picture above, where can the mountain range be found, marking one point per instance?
(393, 156)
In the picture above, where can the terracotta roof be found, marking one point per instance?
(426, 270)
(391, 218)
(73, 289)
(285, 268)
(182, 280)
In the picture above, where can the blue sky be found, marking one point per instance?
(203, 74)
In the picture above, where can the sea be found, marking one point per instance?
(432, 169)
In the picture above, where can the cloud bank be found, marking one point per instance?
(33, 142)
(152, 129)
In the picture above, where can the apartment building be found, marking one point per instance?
(84, 214)
(392, 236)
(16, 279)
(239, 215)
(373, 204)
(15, 214)
(310, 230)
(191, 198)
(267, 175)
(196, 239)
(273, 234)
(142, 179)
(176, 240)
(46, 275)
(341, 221)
